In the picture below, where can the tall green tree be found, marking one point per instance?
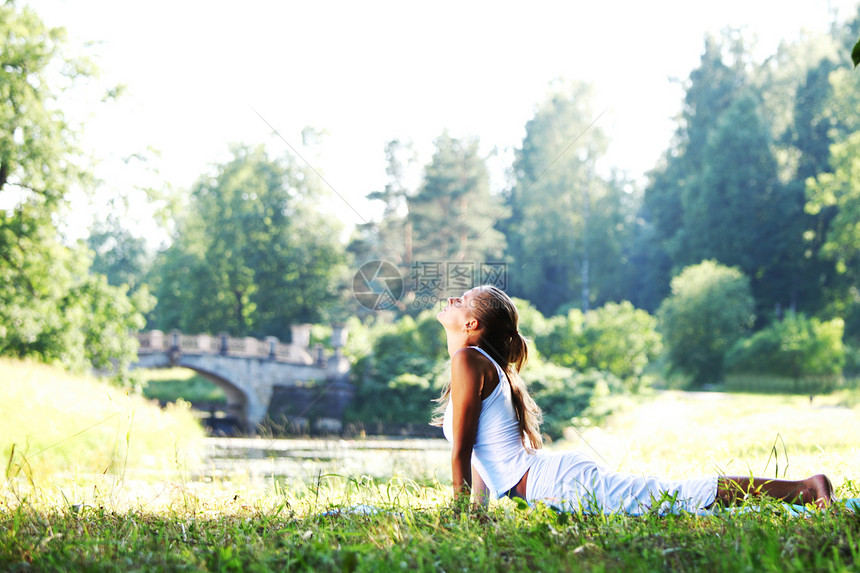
(452, 215)
(38, 157)
(567, 222)
(253, 255)
(796, 96)
(34, 158)
(51, 307)
(389, 238)
(118, 254)
(708, 92)
(839, 191)
(738, 212)
(833, 201)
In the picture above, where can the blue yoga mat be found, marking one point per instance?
(792, 509)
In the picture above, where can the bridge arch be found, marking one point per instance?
(249, 370)
(237, 397)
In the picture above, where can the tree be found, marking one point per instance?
(33, 153)
(738, 212)
(108, 314)
(567, 224)
(709, 91)
(452, 215)
(70, 316)
(711, 307)
(51, 308)
(253, 255)
(839, 191)
(38, 159)
(451, 239)
(833, 202)
(388, 238)
(118, 254)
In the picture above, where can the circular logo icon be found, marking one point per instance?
(377, 285)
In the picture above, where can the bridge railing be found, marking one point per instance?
(270, 347)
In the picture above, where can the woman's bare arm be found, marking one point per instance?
(466, 385)
(480, 491)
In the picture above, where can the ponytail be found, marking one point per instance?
(528, 412)
(518, 351)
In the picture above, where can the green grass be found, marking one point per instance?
(676, 434)
(63, 434)
(172, 523)
(415, 531)
(172, 384)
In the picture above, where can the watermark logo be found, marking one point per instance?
(432, 281)
(379, 285)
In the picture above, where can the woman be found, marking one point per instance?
(493, 425)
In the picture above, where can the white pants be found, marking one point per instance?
(571, 481)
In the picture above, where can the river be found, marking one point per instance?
(291, 460)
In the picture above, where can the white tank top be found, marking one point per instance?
(498, 454)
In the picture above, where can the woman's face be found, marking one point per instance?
(458, 311)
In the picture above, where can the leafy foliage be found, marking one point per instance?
(569, 398)
(252, 255)
(452, 214)
(408, 366)
(709, 92)
(839, 188)
(118, 254)
(567, 224)
(37, 151)
(51, 307)
(390, 238)
(616, 338)
(795, 347)
(711, 308)
(731, 186)
(757, 226)
(398, 381)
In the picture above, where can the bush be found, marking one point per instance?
(852, 361)
(773, 384)
(70, 317)
(533, 324)
(567, 396)
(795, 349)
(709, 310)
(398, 381)
(616, 338)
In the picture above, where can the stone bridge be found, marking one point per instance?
(263, 379)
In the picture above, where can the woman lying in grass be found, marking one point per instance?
(493, 425)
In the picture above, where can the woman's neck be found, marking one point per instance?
(458, 340)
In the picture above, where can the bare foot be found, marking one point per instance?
(819, 491)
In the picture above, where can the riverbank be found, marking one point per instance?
(62, 435)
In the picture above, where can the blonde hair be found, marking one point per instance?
(501, 339)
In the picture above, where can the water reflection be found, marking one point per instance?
(296, 459)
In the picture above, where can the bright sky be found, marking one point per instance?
(367, 72)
